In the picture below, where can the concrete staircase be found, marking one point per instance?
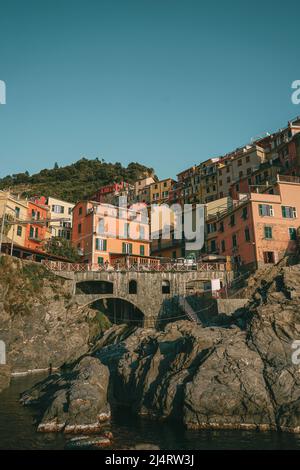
(188, 309)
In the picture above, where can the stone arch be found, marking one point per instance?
(132, 286)
(119, 310)
(2, 353)
(95, 287)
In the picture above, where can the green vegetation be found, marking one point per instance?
(62, 247)
(73, 182)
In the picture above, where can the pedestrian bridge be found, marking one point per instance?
(134, 293)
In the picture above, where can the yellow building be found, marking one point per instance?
(159, 191)
(15, 210)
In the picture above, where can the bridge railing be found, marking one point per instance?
(60, 266)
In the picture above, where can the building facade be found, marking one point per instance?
(102, 231)
(261, 228)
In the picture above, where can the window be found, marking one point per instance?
(58, 209)
(221, 227)
(211, 227)
(17, 212)
(232, 220)
(234, 241)
(240, 162)
(220, 183)
(237, 187)
(132, 287)
(100, 260)
(248, 159)
(245, 213)
(227, 169)
(228, 179)
(247, 234)
(31, 232)
(142, 232)
(240, 174)
(292, 233)
(165, 287)
(249, 171)
(127, 248)
(223, 247)
(213, 246)
(265, 210)
(174, 255)
(80, 210)
(19, 231)
(288, 212)
(126, 230)
(165, 184)
(33, 213)
(101, 244)
(268, 232)
(36, 233)
(101, 227)
(70, 210)
(142, 250)
(269, 257)
(79, 228)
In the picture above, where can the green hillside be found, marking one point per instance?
(73, 182)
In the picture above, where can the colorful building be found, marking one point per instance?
(38, 226)
(101, 232)
(16, 213)
(260, 228)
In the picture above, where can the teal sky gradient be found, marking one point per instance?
(167, 83)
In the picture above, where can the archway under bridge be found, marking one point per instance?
(118, 310)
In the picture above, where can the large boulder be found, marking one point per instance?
(75, 402)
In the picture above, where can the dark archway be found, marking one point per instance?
(120, 311)
(132, 287)
(94, 287)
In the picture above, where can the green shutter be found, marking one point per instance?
(123, 247)
(130, 248)
(142, 250)
(104, 245)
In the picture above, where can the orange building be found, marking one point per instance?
(261, 227)
(37, 230)
(101, 232)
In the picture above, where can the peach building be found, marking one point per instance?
(101, 232)
(260, 228)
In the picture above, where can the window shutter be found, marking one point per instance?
(130, 248)
(104, 245)
(123, 247)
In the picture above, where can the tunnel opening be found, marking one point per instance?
(94, 287)
(120, 311)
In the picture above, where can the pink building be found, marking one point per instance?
(261, 227)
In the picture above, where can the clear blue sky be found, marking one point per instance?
(167, 83)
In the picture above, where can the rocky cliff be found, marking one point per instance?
(38, 324)
(238, 376)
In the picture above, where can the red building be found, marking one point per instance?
(37, 230)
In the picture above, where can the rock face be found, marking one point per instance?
(37, 322)
(243, 375)
(75, 402)
(5, 373)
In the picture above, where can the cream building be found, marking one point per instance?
(60, 210)
(15, 210)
